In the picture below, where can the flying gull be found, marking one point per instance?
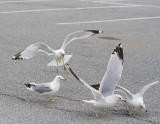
(60, 58)
(48, 88)
(136, 100)
(105, 97)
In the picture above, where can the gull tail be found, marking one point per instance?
(29, 86)
(67, 58)
(60, 63)
(52, 63)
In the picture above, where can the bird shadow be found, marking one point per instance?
(109, 38)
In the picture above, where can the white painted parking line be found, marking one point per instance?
(109, 2)
(24, 1)
(62, 9)
(151, 6)
(113, 20)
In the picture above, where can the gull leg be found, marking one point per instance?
(97, 116)
(130, 111)
(64, 65)
(57, 68)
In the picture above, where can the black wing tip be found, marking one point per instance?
(96, 86)
(68, 66)
(72, 72)
(18, 56)
(28, 85)
(119, 51)
(120, 45)
(95, 31)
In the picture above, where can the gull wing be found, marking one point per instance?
(127, 92)
(40, 88)
(113, 73)
(79, 35)
(32, 50)
(96, 93)
(145, 88)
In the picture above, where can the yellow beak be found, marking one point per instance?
(63, 79)
(145, 109)
(63, 55)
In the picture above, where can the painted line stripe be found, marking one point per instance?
(104, 21)
(24, 1)
(121, 3)
(109, 2)
(61, 9)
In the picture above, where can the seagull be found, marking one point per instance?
(48, 88)
(136, 100)
(60, 58)
(105, 97)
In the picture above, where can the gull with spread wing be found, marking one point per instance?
(60, 58)
(136, 100)
(48, 88)
(105, 97)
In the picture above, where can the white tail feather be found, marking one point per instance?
(60, 63)
(30, 88)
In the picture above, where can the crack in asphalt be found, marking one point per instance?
(13, 96)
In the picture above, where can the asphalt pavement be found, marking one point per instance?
(134, 23)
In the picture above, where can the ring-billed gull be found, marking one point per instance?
(105, 97)
(48, 88)
(136, 100)
(60, 58)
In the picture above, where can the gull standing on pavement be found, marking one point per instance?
(48, 88)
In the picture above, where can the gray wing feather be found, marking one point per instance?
(79, 35)
(145, 88)
(127, 92)
(41, 88)
(32, 50)
(113, 73)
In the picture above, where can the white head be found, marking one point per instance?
(59, 78)
(142, 105)
(62, 53)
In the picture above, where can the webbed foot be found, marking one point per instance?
(130, 112)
